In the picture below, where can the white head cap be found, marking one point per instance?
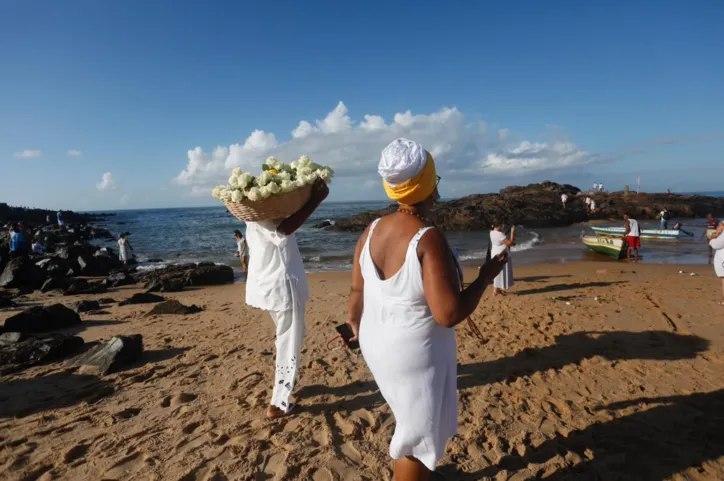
(401, 161)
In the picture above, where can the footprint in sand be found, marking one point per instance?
(74, 453)
(351, 453)
(322, 474)
(126, 467)
(321, 435)
(177, 399)
(347, 427)
(271, 466)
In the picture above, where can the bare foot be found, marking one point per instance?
(274, 412)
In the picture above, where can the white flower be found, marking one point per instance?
(287, 186)
(299, 182)
(265, 192)
(237, 172)
(216, 191)
(294, 165)
(234, 181)
(274, 163)
(253, 194)
(304, 161)
(225, 194)
(284, 175)
(245, 180)
(263, 179)
(274, 187)
(237, 196)
(304, 171)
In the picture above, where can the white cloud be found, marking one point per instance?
(106, 182)
(463, 150)
(28, 154)
(74, 153)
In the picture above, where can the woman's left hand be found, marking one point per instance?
(355, 330)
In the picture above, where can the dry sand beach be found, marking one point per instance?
(593, 371)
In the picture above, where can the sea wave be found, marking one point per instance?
(522, 246)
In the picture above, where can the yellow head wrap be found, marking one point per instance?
(408, 172)
(416, 189)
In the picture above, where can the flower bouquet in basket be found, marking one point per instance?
(278, 192)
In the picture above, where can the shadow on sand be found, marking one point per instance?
(566, 287)
(673, 434)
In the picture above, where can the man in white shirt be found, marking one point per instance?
(277, 283)
(564, 199)
(632, 233)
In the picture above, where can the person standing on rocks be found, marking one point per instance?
(501, 243)
(241, 250)
(632, 234)
(123, 247)
(276, 283)
(59, 216)
(18, 242)
(564, 199)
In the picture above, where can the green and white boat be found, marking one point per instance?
(611, 246)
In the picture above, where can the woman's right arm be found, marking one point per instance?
(356, 293)
(449, 305)
(510, 242)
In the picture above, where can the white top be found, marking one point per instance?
(504, 280)
(239, 247)
(564, 197)
(412, 358)
(592, 204)
(122, 244)
(718, 246)
(275, 269)
(634, 228)
(588, 201)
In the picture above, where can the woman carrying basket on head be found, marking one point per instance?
(277, 284)
(406, 298)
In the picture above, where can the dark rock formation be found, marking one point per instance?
(111, 356)
(166, 285)
(42, 319)
(201, 274)
(22, 272)
(106, 300)
(18, 351)
(539, 205)
(85, 306)
(118, 279)
(142, 298)
(173, 307)
(80, 286)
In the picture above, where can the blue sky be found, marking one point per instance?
(145, 92)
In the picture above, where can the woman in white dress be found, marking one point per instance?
(717, 245)
(406, 297)
(499, 243)
(123, 247)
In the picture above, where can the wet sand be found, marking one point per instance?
(589, 371)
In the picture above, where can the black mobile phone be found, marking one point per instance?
(345, 331)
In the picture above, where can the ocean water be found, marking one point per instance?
(206, 234)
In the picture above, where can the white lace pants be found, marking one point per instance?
(290, 337)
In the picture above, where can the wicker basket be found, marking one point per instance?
(275, 207)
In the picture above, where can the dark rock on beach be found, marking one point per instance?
(105, 358)
(18, 351)
(85, 306)
(118, 279)
(201, 274)
(142, 298)
(22, 272)
(106, 300)
(42, 319)
(173, 307)
(539, 205)
(166, 285)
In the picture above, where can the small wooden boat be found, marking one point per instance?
(645, 233)
(611, 246)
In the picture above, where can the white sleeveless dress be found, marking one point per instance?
(413, 359)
